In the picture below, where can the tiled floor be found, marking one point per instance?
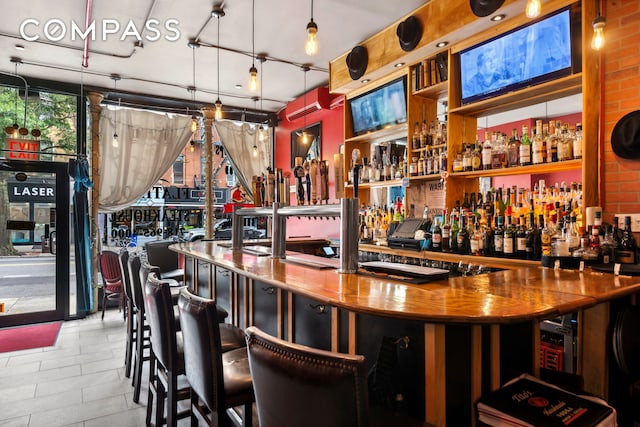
(78, 382)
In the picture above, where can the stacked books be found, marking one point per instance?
(527, 401)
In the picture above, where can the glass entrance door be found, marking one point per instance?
(34, 242)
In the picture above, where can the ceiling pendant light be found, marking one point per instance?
(193, 44)
(305, 135)
(597, 42)
(253, 71)
(254, 150)
(311, 46)
(218, 103)
(114, 140)
(533, 8)
(262, 131)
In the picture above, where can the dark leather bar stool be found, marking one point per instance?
(219, 380)
(130, 311)
(296, 385)
(159, 254)
(167, 356)
(142, 327)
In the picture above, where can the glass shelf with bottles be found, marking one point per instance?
(551, 147)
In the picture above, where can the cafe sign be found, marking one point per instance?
(22, 149)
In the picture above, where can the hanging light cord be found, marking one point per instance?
(218, 55)
(253, 32)
(311, 10)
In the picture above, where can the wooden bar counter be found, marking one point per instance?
(477, 311)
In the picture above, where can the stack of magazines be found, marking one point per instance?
(527, 401)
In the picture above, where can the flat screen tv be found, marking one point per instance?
(379, 108)
(526, 56)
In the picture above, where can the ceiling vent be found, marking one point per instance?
(316, 100)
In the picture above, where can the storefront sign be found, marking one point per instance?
(29, 192)
(22, 149)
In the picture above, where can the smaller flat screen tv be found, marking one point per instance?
(379, 108)
(528, 55)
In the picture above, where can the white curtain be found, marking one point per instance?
(148, 144)
(239, 140)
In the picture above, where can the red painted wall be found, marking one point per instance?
(332, 137)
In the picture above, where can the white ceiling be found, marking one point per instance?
(164, 68)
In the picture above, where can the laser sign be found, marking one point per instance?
(22, 149)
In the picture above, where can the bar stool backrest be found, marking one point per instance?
(296, 385)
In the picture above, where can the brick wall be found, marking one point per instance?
(620, 186)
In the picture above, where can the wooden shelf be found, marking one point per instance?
(436, 91)
(390, 132)
(417, 150)
(523, 170)
(558, 88)
(433, 177)
(377, 184)
(492, 262)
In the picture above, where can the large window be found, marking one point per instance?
(48, 117)
(178, 170)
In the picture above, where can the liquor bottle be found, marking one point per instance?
(487, 237)
(616, 231)
(537, 145)
(577, 142)
(513, 149)
(463, 237)
(420, 167)
(476, 245)
(608, 245)
(521, 239)
(436, 236)
(498, 238)
(555, 135)
(387, 167)
(443, 160)
(455, 227)
(530, 237)
(525, 147)
(467, 158)
(446, 233)
(546, 233)
(423, 134)
(573, 234)
(509, 241)
(486, 152)
(476, 156)
(565, 145)
(498, 151)
(627, 250)
(415, 141)
(430, 163)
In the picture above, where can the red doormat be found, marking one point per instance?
(31, 336)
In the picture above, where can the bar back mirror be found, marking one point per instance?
(310, 149)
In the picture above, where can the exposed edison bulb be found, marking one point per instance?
(533, 8)
(253, 78)
(597, 42)
(218, 112)
(255, 151)
(311, 47)
(194, 124)
(305, 137)
(114, 141)
(262, 133)
(192, 148)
